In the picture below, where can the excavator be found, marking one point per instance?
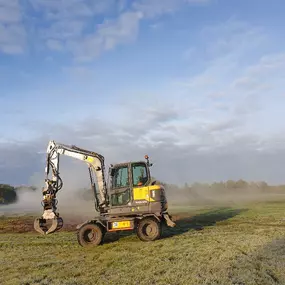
(127, 200)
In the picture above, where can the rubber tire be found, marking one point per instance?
(156, 227)
(85, 241)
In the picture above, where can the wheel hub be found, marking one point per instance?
(91, 235)
(149, 230)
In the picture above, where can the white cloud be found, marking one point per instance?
(268, 63)
(109, 34)
(63, 30)
(233, 38)
(67, 22)
(68, 26)
(12, 31)
(12, 38)
(246, 83)
(156, 26)
(240, 89)
(9, 14)
(198, 152)
(216, 95)
(54, 45)
(80, 73)
(156, 8)
(59, 10)
(153, 8)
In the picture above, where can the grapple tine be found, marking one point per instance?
(57, 224)
(40, 225)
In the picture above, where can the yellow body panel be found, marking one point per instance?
(143, 193)
(90, 159)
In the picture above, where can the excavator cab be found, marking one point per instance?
(132, 190)
(129, 174)
(124, 178)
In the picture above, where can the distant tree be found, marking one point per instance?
(218, 185)
(31, 188)
(252, 185)
(197, 185)
(8, 194)
(230, 184)
(263, 185)
(241, 184)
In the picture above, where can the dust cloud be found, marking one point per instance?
(210, 196)
(76, 201)
(73, 201)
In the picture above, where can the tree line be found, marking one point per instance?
(9, 194)
(232, 185)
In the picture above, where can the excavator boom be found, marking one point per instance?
(54, 183)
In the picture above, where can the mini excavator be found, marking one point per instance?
(129, 201)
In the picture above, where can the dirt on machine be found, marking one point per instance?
(128, 200)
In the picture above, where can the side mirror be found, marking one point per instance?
(112, 171)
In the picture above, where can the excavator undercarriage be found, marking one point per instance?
(130, 202)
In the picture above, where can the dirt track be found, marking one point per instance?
(25, 225)
(20, 225)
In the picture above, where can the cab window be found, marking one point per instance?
(121, 177)
(123, 198)
(140, 175)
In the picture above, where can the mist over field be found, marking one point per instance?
(70, 197)
(76, 200)
(207, 196)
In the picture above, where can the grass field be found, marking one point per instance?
(240, 245)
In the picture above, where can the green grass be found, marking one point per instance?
(244, 245)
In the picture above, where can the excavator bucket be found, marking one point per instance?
(44, 226)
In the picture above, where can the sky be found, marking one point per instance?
(198, 85)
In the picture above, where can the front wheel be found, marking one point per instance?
(149, 229)
(90, 235)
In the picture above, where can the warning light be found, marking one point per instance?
(146, 156)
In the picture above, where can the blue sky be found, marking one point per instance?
(188, 81)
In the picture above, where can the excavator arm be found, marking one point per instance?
(54, 183)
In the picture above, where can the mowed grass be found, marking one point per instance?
(241, 245)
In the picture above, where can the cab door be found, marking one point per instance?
(140, 184)
(121, 190)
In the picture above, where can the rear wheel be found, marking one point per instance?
(149, 229)
(90, 235)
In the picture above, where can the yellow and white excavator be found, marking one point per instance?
(130, 202)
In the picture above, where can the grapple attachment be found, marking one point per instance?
(44, 226)
(50, 221)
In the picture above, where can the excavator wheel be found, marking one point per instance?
(90, 235)
(149, 229)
